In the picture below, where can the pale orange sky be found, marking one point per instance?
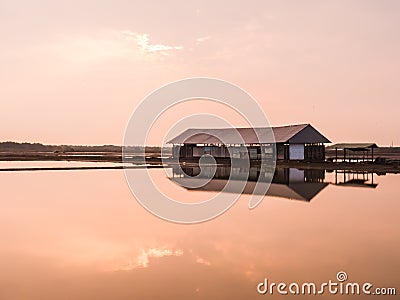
(71, 72)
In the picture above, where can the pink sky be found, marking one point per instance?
(72, 72)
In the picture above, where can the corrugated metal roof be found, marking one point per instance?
(282, 134)
(342, 146)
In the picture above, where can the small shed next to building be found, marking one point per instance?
(354, 152)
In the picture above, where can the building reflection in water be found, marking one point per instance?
(287, 183)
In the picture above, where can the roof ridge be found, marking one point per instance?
(294, 125)
(282, 126)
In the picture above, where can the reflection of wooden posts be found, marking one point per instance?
(354, 178)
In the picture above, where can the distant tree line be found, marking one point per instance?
(38, 147)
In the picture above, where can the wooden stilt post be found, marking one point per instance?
(336, 154)
(372, 154)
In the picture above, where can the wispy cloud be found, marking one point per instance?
(143, 259)
(202, 261)
(202, 39)
(143, 42)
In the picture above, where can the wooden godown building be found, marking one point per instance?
(294, 142)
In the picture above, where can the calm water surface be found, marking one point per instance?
(82, 235)
(54, 164)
